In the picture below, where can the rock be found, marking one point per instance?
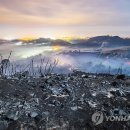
(75, 108)
(48, 81)
(33, 114)
(46, 113)
(32, 94)
(56, 91)
(17, 103)
(92, 104)
(109, 95)
(1, 112)
(84, 76)
(13, 115)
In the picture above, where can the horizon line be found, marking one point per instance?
(30, 38)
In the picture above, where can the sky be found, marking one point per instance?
(64, 18)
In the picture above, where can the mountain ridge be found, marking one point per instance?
(97, 41)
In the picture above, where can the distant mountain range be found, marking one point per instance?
(103, 41)
(98, 41)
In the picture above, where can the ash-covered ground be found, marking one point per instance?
(63, 101)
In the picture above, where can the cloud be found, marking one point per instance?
(41, 12)
(64, 13)
(32, 7)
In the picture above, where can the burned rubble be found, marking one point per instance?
(63, 101)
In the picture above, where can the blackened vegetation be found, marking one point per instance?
(45, 67)
(63, 102)
(4, 64)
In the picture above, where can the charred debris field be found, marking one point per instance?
(63, 101)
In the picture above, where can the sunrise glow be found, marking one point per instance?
(64, 18)
(26, 39)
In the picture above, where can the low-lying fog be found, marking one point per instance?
(66, 59)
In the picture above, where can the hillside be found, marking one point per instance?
(63, 102)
